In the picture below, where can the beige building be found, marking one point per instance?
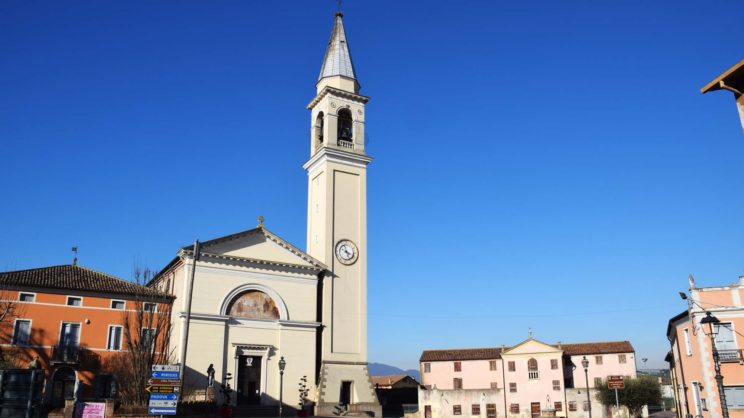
(251, 298)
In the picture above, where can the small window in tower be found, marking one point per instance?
(319, 129)
(345, 123)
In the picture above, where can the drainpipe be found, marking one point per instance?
(682, 372)
(189, 297)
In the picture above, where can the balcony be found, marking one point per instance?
(345, 143)
(730, 356)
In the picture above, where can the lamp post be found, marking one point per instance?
(282, 365)
(712, 321)
(585, 363)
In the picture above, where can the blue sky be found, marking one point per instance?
(539, 164)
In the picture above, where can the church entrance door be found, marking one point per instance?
(249, 380)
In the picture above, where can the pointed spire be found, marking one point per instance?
(337, 60)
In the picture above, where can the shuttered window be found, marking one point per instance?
(734, 397)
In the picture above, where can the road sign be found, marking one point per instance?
(166, 375)
(163, 396)
(162, 389)
(165, 368)
(164, 382)
(162, 404)
(615, 382)
(161, 411)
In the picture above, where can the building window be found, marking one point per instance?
(598, 360)
(597, 382)
(688, 344)
(585, 406)
(492, 365)
(457, 383)
(725, 340)
(26, 297)
(458, 366)
(513, 387)
(147, 338)
(117, 304)
(554, 364)
(114, 338)
(106, 386)
(494, 385)
(556, 385)
(532, 370)
(512, 366)
(456, 410)
(148, 307)
(734, 397)
(21, 332)
(475, 410)
(558, 406)
(74, 301)
(427, 411)
(572, 405)
(427, 367)
(621, 358)
(514, 408)
(490, 410)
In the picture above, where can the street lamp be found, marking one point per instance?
(282, 365)
(585, 363)
(712, 322)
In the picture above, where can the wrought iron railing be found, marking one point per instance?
(66, 354)
(729, 356)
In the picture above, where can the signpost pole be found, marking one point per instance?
(617, 402)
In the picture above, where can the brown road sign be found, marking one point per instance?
(615, 382)
(163, 382)
(162, 389)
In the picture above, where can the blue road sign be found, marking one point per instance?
(163, 396)
(161, 411)
(166, 375)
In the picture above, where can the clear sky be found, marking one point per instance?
(544, 164)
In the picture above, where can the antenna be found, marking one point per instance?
(74, 259)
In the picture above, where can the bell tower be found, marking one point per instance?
(337, 227)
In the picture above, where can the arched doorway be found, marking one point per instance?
(64, 382)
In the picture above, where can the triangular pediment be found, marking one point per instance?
(532, 346)
(259, 244)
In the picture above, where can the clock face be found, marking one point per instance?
(346, 252)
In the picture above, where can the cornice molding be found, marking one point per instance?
(336, 156)
(339, 93)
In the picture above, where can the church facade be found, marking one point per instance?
(248, 300)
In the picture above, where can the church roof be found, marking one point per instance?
(337, 60)
(75, 278)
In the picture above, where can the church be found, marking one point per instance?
(249, 302)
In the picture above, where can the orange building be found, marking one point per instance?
(691, 357)
(71, 321)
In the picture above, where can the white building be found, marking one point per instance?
(256, 298)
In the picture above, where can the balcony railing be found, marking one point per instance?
(66, 354)
(729, 356)
(343, 143)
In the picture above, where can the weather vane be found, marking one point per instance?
(260, 221)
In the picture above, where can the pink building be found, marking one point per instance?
(528, 380)
(691, 356)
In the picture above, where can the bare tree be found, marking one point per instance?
(147, 330)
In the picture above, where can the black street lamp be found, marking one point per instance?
(282, 365)
(712, 322)
(585, 363)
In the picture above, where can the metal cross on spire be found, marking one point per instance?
(339, 5)
(75, 251)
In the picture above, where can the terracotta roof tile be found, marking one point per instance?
(74, 277)
(387, 380)
(461, 354)
(495, 353)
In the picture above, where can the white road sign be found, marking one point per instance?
(165, 367)
(162, 404)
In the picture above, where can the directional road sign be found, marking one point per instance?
(162, 389)
(161, 411)
(162, 404)
(163, 396)
(164, 382)
(166, 375)
(165, 368)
